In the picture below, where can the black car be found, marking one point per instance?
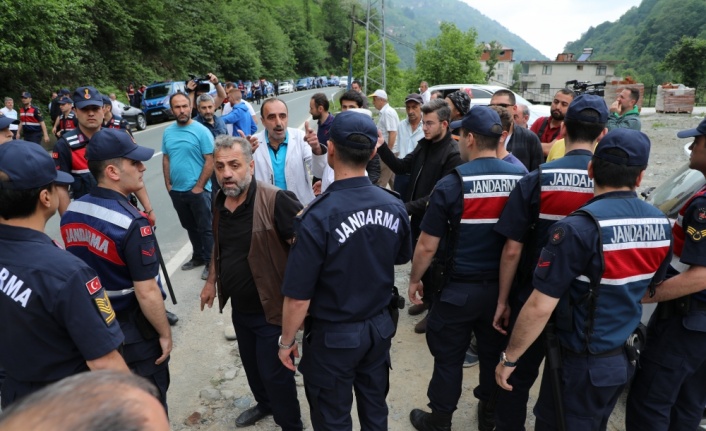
(135, 116)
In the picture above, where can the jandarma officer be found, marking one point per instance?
(595, 269)
(108, 233)
(341, 271)
(55, 317)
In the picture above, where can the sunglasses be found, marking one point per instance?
(504, 105)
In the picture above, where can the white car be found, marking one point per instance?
(286, 87)
(343, 82)
(481, 95)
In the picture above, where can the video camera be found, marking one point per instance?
(586, 87)
(203, 83)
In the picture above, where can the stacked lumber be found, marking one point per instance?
(675, 98)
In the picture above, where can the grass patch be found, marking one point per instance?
(657, 125)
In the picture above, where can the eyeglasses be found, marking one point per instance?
(429, 123)
(504, 105)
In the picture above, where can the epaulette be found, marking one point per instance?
(392, 192)
(311, 204)
(131, 209)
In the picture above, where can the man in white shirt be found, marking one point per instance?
(284, 157)
(388, 124)
(409, 133)
(424, 90)
(9, 111)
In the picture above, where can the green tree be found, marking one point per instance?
(451, 57)
(494, 48)
(688, 60)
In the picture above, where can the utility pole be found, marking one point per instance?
(375, 64)
(351, 48)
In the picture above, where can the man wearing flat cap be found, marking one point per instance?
(111, 235)
(458, 243)
(348, 330)
(668, 391)
(55, 317)
(593, 272)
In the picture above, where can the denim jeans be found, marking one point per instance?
(194, 211)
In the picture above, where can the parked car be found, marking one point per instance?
(481, 95)
(135, 116)
(333, 81)
(155, 102)
(285, 87)
(343, 82)
(303, 84)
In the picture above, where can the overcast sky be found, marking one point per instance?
(549, 24)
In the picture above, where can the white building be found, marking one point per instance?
(503, 69)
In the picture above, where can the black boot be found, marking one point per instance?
(486, 416)
(433, 421)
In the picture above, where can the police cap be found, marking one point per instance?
(109, 144)
(28, 166)
(588, 101)
(87, 96)
(6, 121)
(635, 144)
(481, 120)
(692, 133)
(64, 100)
(350, 123)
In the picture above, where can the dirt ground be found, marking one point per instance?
(209, 388)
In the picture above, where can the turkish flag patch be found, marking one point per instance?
(94, 285)
(146, 231)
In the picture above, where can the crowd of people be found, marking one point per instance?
(517, 258)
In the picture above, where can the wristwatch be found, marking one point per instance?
(284, 346)
(505, 362)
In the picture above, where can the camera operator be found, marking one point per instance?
(197, 86)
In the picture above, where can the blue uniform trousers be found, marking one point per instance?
(460, 310)
(194, 211)
(33, 136)
(590, 387)
(141, 350)
(511, 408)
(341, 358)
(271, 383)
(669, 390)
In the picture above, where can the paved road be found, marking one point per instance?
(172, 238)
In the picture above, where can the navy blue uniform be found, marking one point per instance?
(106, 231)
(669, 390)
(599, 262)
(54, 314)
(70, 156)
(117, 123)
(347, 243)
(470, 200)
(540, 199)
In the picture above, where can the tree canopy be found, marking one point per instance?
(688, 60)
(451, 57)
(114, 42)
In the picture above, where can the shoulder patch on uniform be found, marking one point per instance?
(557, 235)
(94, 285)
(105, 308)
(696, 235)
(145, 231)
(700, 215)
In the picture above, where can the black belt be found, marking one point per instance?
(586, 353)
(695, 304)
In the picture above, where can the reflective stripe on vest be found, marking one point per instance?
(635, 240)
(100, 212)
(563, 191)
(28, 117)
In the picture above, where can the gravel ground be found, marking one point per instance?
(209, 388)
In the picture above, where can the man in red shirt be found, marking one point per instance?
(549, 128)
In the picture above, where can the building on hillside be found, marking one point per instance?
(540, 80)
(503, 69)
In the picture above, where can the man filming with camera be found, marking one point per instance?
(197, 86)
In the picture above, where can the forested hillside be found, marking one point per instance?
(644, 35)
(47, 44)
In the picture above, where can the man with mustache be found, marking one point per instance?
(253, 228)
(285, 158)
(187, 164)
(549, 128)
